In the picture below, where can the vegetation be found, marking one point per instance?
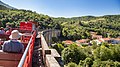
(71, 28)
(73, 54)
(101, 56)
(59, 47)
(17, 16)
(72, 64)
(3, 7)
(80, 27)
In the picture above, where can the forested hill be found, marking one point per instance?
(13, 17)
(4, 6)
(72, 28)
(80, 27)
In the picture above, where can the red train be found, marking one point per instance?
(28, 39)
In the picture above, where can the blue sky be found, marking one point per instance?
(68, 8)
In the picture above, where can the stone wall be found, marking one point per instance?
(49, 55)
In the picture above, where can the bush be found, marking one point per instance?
(109, 63)
(59, 48)
(88, 51)
(71, 64)
(96, 63)
(86, 63)
(116, 52)
(73, 54)
(102, 53)
(116, 64)
(84, 45)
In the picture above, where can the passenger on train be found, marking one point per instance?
(13, 45)
(7, 27)
(2, 30)
(8, 32)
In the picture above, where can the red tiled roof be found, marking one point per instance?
(93, 33)
(101, 40)
(82, 40)
(97, 35)
(117, 39)
(106, 38)
(68, 42)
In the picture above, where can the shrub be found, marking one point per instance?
(102, 53)
(116, 52)
(86, 63)
(108, 63)
(71, 64)
(73, 54)
(59, 48)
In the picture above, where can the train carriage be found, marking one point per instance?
(20, 59)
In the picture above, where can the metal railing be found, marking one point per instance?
(27, 55)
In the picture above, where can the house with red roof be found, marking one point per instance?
(115, 41)
(82, 41)
(68, 42)
(96, 36)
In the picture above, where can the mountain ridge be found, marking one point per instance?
(3, 5)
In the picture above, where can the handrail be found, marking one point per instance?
(25, 54)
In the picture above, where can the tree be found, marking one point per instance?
(86, 63)
(73, 54)
(116, 52)
(102, 53)
(108, 63)
(71, 64)
(59, 47)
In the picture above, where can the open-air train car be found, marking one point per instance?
(19, 59)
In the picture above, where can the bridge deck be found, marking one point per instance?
(43, 56)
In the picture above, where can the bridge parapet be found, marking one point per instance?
(51, 61)
(50, 56)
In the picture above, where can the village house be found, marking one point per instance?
(107, 39)
(93, 33)
(82, 41)
(96, 36)
(68, 42)
(115, 41)
(112, 40)
(98, 41)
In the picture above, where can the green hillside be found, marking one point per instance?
(80, 27)
(72, 28)
(16, 16)
(3, 7)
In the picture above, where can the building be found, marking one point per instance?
(115, 41)
(82, 41)
(68, 42)
(96, 36)
(106, 39)
(112, 40)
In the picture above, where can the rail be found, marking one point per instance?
(26, 60)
